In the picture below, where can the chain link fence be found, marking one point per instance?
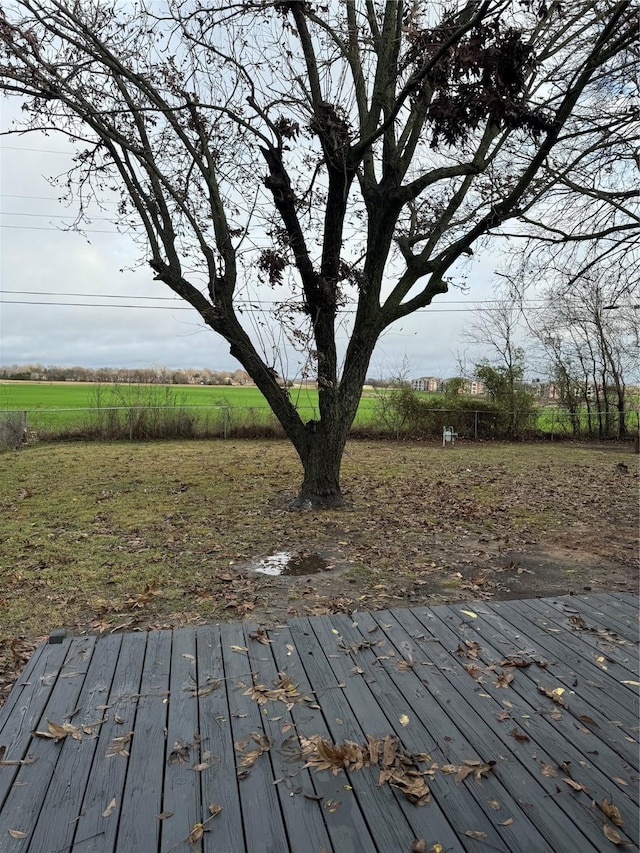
(144, 423)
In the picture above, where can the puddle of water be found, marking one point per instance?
(291, 564)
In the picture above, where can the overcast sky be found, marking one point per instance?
(45, 270)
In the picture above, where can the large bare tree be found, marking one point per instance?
(352, 154)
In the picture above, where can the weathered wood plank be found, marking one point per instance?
(75, 757)
(142, 797)
(22, 805)
(494, 645)
(181, 792)
(23, 709)
(608, 607)
(602, 672)
(219, 783)
(603, 649)
(263, 823)
(43, 656)
(505, 712)
(97, 833)
(595, 691)
(306, 829)
(346, 825)
(352, 713)
(456, 729)
(600, 614)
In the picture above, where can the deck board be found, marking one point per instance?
(453, 684)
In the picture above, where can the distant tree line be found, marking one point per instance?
(142, 376)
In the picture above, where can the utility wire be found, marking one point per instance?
(244, 301)
(249, 309)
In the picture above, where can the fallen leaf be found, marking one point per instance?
(473, 616)
(548, 770)
(587, 720)
(612, 812)
(16, 833)
(419, 846)
(614, 836)
(188, 657)
(518, 735)
(180, 753)
(404, 720)
(506, 822)
(261, 636)
(164, 815)
(199, 767)
(504, 679)
(575, 785)
(554, 694)
(214, 809)
(436, 848)
(117, 746)
(494, 804)
(58, 732)
(634, 683)
(196, 833)
(109, 809)
(238, 649)
(475, 833)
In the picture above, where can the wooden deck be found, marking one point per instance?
(521, 717)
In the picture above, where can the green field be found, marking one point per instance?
(52, 406)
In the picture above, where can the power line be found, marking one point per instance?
(70, 152)
(247, 309)
(472, 302)
(50, 215)
(61, 231)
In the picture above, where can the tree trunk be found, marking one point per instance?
(321, 459)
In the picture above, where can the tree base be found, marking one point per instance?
(307, 501)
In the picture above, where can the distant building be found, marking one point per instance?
(427, 383)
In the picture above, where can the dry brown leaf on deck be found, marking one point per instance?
(17, 833)
(214, 809)
(475, 833)
(468, 649)
(57, 731)
(196, 833)
(548, 770)
(518, 735)
(503, 715)
(555, 694)
(249, 758)
(198, 768)
(404, 720)
(504, 679)
(506, 822)
(261, 636)
(494, 804)
(109, 809)
(238, 649)
(419, 846)
(613, 835)
(164, 815)
(180, 753)
(612, 812)
(117, 745)
(575, 785)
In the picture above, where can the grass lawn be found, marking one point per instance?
(97, 536)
